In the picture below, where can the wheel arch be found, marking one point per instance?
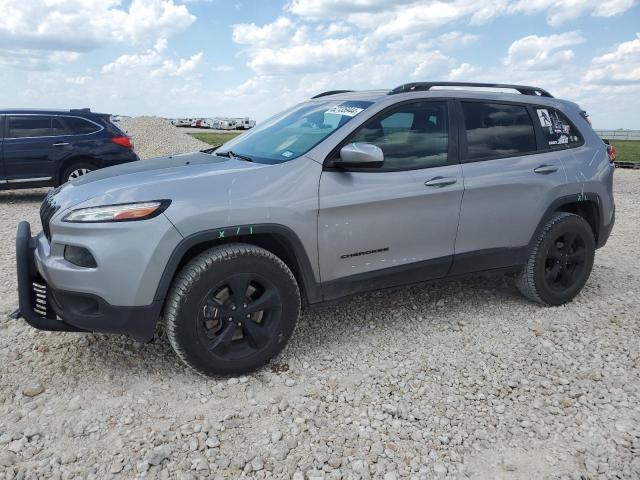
(586, 205)
(277, 239)
(67, 162)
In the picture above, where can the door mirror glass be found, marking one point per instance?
(360, 155)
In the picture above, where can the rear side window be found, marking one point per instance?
(73, 126)
(23, 126)
(558, 130)
(497, 130)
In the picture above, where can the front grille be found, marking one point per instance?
(47, 210)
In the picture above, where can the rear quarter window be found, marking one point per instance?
(80, 126)
(558, 131)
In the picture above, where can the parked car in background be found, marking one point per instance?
(42, 148)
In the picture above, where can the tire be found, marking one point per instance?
(77, 169)
(213, 317)
(560, 261)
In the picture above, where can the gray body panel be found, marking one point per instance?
(493, 205)
(368, 211)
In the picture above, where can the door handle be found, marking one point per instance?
(60, 144)
(545, 169)
(440, 182)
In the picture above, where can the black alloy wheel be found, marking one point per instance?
(231, 309)
(566, 258)
(238, 316)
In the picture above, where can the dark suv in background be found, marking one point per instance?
(40, 148)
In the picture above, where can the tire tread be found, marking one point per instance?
(191, 274)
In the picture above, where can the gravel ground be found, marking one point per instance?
(154, 137)
(462, 380)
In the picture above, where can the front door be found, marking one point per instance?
(395, 224)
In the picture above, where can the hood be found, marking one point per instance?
(138, 181)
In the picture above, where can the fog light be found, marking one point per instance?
(79, 256)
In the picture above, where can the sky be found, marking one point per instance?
(183, 58)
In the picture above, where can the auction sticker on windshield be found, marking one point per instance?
(345, 110)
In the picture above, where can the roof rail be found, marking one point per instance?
(80, 110)
(420, 86)
(330, 92)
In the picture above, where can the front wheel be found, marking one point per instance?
(231, 309)
(560, 262)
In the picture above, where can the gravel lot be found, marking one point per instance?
(155, 137)
(462, 380)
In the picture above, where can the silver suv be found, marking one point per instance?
(345, 193)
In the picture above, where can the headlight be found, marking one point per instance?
(123, 212)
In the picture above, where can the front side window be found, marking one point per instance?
(558, 131)
(411, 136)
(293, 132)
(22, 126)
(497, 130)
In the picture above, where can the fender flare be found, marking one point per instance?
(572, 199)
(309, 285)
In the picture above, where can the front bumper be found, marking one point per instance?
(51, 309)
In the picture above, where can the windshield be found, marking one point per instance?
(293, 132)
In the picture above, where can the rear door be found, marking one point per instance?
(508, 183)
(395, 224)
(28, 148)
(3, 178)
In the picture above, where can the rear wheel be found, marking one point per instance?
(77, 170)
(560, 262)
(231, 309)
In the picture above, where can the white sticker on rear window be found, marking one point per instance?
(287, 153)
(545, 119)
(345, 110)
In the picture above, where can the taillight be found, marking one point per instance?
(123, 142)
(611, 150)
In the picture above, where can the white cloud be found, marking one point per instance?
(433, 65)
(85, 25)
(620, 65)
(28, 59)
(542, 53)
(272, 34)
(323, 9)
(152, 63)
(127, 64)
(306, 57)
(180, 67)
(404, 15)
(561, 11)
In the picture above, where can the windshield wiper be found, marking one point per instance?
(233, 155)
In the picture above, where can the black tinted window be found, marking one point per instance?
(495, 130)
(80, 126)
(558, 131)
(28, 126)
(411, 136)
(59, 127)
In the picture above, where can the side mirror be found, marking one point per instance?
(360, 155)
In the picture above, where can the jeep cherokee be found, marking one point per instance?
(344, 193)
